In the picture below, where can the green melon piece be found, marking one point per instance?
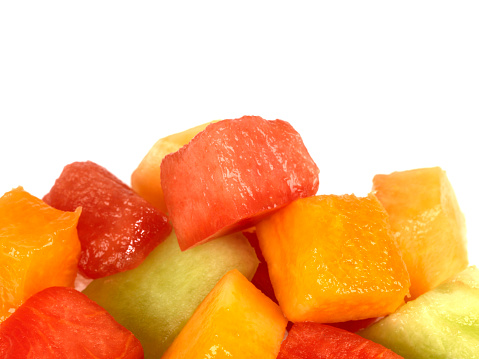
(155, 300)
(441, 323)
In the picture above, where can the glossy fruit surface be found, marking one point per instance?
(146, 179)
(309, 340)
(232, 174)
(117, 228)
(442, 323)
(59, 323)
(235, 320)
(39, 248)
(427, 222)
(156, 299)
(333, 258)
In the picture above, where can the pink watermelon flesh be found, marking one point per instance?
(61, 322)
(117, 228)
(310, 340)
(232, 174)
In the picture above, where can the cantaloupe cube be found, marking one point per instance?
(427, 223)
(39, 248)
(235, 320)
(333, 259)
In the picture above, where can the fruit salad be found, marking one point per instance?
(221, 247)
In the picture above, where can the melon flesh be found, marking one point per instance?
(427, 223)
(233, 174)
(442, 323)
(156, 299)
(333, 259)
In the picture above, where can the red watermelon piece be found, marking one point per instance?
(61, 322)
(232, 174)
(308, 340)
(117, 228)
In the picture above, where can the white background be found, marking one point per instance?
(372, 86)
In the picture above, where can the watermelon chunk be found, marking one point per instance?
(309, 340)
(117, 228)
(232, 174)
(60, 322)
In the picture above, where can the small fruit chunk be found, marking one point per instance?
(427, 223)
(309, 340)
(333, 259)
(235, 320)
(39, 248)
(232, 174)
(146, 179)
(117, 228)
(156, 299)
(61, 322)
(442, 323)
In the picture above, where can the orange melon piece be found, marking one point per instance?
(39, 248)
(333, 259)
(146, 179)
(427, 222)
(235, 320)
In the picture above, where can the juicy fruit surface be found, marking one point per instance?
(235, 320)
(146, 179)
(309, 340)
(61, 322)
(117, 228)
(232, 174)
(332, 259)
(156, 299)
(39, 248)
(442, 323)
(427, 223)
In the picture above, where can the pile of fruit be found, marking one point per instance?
(221, 248)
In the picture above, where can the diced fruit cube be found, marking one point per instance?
(309, 340)
(441, 323)
(156, 299)
(333, 258)
(427, 223)
(235, 320)
(146, 179)
(61, 322)
(232, 174)
(117, 228)
(39, 248)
